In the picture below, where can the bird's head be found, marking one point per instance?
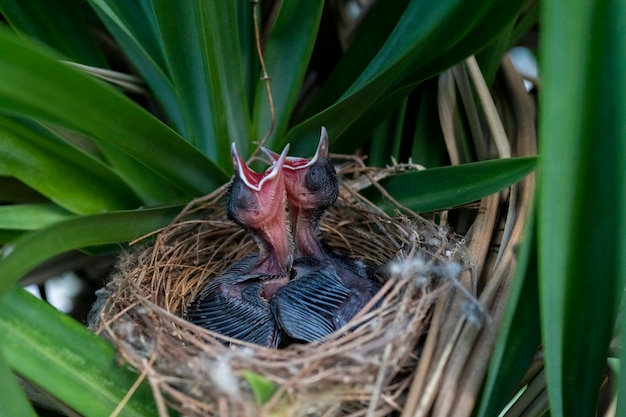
(311, 183)
(254, 199)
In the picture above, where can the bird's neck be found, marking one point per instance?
(307, 234)
(276, 245)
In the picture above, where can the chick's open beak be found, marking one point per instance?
(295, 163)
(255, 180)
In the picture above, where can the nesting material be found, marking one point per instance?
(367, 367)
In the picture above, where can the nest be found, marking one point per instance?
(365, 368)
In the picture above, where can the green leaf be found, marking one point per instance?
(442, 24)
(30, 216)
(428, 147)
(262, 388)
(35, 247)
(65, 359)
(411, 54)
(293, 34)
(372, 32)
(582, 195)
(201, 46)
(387, 138)
(7, 236)
(70, 99)
(134, 18)
(487, 27)
(520, 334)
(12, 398)
(445, 187)
(133, 25)
(60, 24)
(247, 46)
(526, 21)
(66, 175)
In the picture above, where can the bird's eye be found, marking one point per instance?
(241, 197)
(316, 178)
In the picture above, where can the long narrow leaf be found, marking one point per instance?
(446, 187)
(229, 99)
(60, 24)
(30, 216)
(12, 398)
(201, 44)
(80, 103)
(428, 142)
(293, 34)
(582, 195)
(387, 137)
(70, 178)
(372, 33)
(411, 54)
(441, 25)
(65, 359)
(247, 46)
(101, 229)
(496, 19)
(133, 26)
(136, 19)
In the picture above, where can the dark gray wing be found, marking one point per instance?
(305, 308)
(235, 310)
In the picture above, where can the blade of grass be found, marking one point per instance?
(445, 187)
(582, 195)
(70, 99)
(35, 247)
(65, 359)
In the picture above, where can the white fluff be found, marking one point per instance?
(224, 379)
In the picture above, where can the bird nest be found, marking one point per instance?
(365, 367)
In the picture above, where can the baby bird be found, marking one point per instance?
(237, 302)
(312, 187)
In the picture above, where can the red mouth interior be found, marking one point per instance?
(296, 162)
(253, 178)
